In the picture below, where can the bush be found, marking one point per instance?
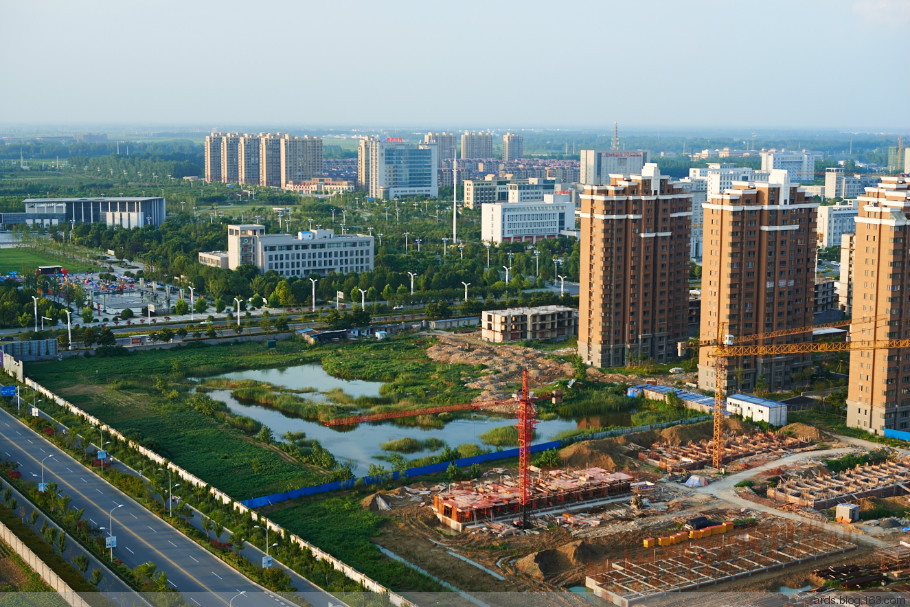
(745, 483)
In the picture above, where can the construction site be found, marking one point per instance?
(821, 491)
(698, 455)
(726, 557)
(465, 504)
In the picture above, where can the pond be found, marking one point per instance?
(308, 376)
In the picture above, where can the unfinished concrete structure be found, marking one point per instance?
(543, 322)
(721, 558)
(694, 456)
(465, 504)
(886, 479)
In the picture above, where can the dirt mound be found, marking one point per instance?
(601, 453)
(803, 431)
(549, 563)
(375, 503)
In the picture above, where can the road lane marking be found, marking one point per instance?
(193, 557)
(133, 515)
(195, 601)
(131, 552)
(99, 490)
(151, 528)
(93, 522)
(82, 478)
(172, 543)
(68, 469)
(217, 576)
(172, 584)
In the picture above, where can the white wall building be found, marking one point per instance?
(839, 185)
(835, 221)
(398, 168)
(530, 192)
(596, 167)
(527, 221)
(309, 252)
(124, 212)
(800, 165)
(758, 409)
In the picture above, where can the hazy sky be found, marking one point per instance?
(458, 64)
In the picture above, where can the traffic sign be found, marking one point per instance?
(102, 455)
(266, 562)
(110, 541)
(42, 487)
(7, 390)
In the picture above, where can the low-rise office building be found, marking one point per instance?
(517, 324)
(527, 221)
(124, 211)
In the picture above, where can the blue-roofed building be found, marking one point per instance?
(758, 409)
(690, 400)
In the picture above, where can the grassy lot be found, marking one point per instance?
(27, 261)
(148, 397)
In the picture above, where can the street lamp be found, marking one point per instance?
(506, 268)
(110, 522)
(466, 285)
(562, 285)
(445, 246)
(363, 301)
(192, 304)
(237, 301)
(42, 487)
(406, 234)
(412, 275)
(170, 491)
(418, 241)
(35, 299)
(380, 238)
(461, 250)
(555, 269)
(487, 245)
(43, 318)
(69, 331)
(537, 261)
(267, 545)
(313, 306)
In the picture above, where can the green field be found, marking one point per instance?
(26, 261)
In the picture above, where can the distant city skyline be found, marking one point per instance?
(813, 64)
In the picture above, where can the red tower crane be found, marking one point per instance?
(526, 421)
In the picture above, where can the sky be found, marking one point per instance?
(468, 64)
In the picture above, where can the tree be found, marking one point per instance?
(126, 314)
(266, 321)
(265, 435)
(219, 305)
(166, 334)
(87, 315)
(25, 319)
(437, 309)
(106, 337)
(89, 336)
(282, 323)
(200, 306)
(181, 307)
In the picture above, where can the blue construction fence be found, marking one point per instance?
(897, 434)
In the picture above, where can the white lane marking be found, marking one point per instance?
(152, 530)
(99, 490)
(217, 576)
(82, 478)
(131, 552)
(133, 515)
(8, 454)
(195, 601)
(172, 584)
(68, 469)
(172, 543)
(193, 557)
(93, 522)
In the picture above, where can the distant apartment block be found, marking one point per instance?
(758, 275)
(634, 269)
(799, 165)
(845, 281)
(513, 147)
(212, 150)
(320, 186)
(835, 221)
(445, 147)
(476, 145)
(839, 185)
(596, 167)
(124, 212)
(269, 159)
(519, 324)
(527, 221)
(533, 191)
(394, 168)
(825, 296)
(878, 395)
(308, 252)
(230, 156)
(248, 160)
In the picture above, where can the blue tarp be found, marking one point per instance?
(258, 502)
(897, 434)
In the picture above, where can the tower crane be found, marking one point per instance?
(722, 348)
(526, 421)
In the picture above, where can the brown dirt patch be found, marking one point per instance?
(804, 431)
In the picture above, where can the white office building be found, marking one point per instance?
(799, 165)
(308, 252)
(839, 185)
(527, 221)
(123, 212)
(835, 221)
(396, 168)
(596, 167)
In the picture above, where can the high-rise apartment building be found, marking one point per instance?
(301, 158)
(799, 165)
(513, 147)
(476, 145)
(845, 282)
(878, 397)
(396, 168)
(839, 185)
(836, 220)
(596, 167)
(445, 146)
(230, 158)
(213, 157)
(758, 275)
(248, 160)
(364, 155)
(634, 269)
(270, 159)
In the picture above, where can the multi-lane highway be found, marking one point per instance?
(141, 536)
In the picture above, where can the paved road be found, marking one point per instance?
(141, 536)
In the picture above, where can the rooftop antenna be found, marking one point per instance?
(455, 199)
(615, 145)
(118, 148)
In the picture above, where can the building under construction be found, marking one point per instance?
(465, 504)
(698, 455)
(695, 564)
(886, 479)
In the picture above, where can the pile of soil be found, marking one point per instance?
(372, 502)
(555, 561)
(804, 431)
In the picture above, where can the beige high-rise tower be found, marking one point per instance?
(213, 157)
(230, 165)
(513, 147)
(634, 269)
(270, 159)
(758, 275)
(248, 160)
(476, 145)
(878, 397)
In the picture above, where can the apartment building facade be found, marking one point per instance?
(799, 165)
(212, 150)
(517, 324)
(634, 292)
(248, 160)
(513, 147)
(596, 167)
(758, 275)
(878, 396)
(835, 221)
(396, 168)
(845, 278)
(445, 147)
(476, 145)
(527, 221)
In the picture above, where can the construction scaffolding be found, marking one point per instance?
(464, 504)
(722, 558)
(887, 479)
(695, 456)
